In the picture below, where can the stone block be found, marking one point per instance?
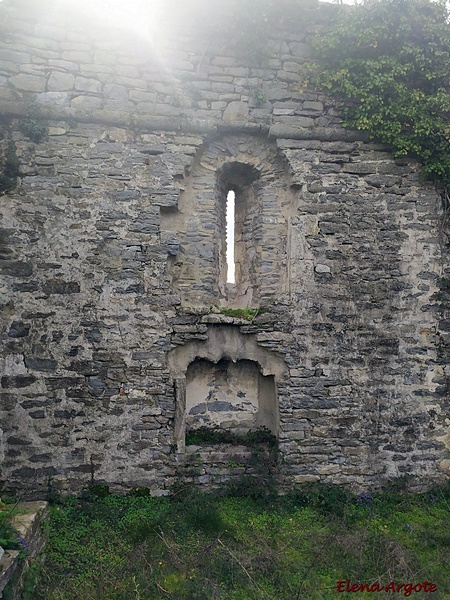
(87, 84)
(40, 364)
(57, 286)
(18, 329)
(86, 102)
(329, 469)
(63, 65)
(53, 98)
(75, 56)
(17, 381)
(142, 96)
(28, 83)
(16, 268)
(14, 57)
(113, 91)
(304, 478)
(60, 82)
(236, 112)
(289, 76)
(221, 88)
(310, 105)
(319, 268)
(8, 67)
(277, 94)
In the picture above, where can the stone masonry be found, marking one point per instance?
(129, 135)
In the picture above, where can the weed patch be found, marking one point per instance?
(237, 548)
(214, 435)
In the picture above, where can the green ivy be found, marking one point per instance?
(388, 63)
(9, 163)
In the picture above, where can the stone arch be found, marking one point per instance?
(227, 348)
(250, 166)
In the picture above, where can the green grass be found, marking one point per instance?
(196, 546)
(241, 313)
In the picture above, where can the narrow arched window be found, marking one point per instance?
(231, 224)
(238, 210)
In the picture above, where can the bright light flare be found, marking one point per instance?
(230, 218)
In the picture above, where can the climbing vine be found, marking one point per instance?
(388, 63)
(9, 163)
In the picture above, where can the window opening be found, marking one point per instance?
(231, 223)
(238, 219)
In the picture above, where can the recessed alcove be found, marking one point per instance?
(229, 395)
(227, 381)
(196, 232)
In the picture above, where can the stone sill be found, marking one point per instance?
(220, 453)
(28, 524)
(217, 318)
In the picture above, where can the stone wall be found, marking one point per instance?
(112, 255)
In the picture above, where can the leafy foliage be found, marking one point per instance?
(8, 533)
(388, 61)
(34, 126)
(214, 435)
(241, 313)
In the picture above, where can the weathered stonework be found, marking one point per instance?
(30, 524)
(112, 258)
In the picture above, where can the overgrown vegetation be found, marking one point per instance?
(259, 473)
(259, 97)
(34, 126)
(9, 167)
(241, 313)
(388, 61)
(214, 435)
(197, 546)
(9, 536)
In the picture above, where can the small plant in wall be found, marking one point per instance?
(241, 313)
(34, 125)
(259, 97)
(9, 536)
(387, 63)
(213, 435)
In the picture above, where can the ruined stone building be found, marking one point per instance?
(120, 323)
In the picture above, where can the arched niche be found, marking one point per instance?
(195, 230)
(227, 380)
